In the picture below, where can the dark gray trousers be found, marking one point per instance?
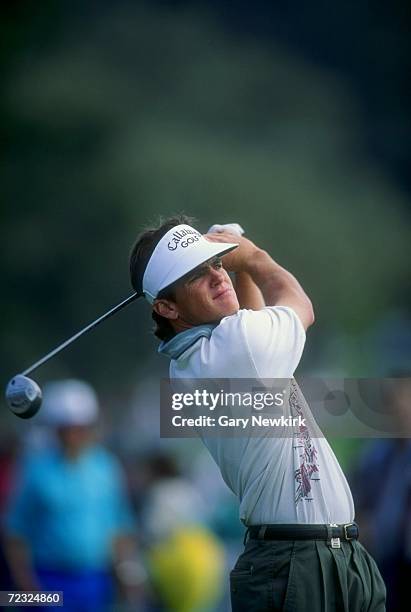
(306, 576)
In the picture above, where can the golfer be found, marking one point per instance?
(302, 550)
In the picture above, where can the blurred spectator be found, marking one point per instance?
(68, 523)
(185, 559)
(8, 449)
(382, 489)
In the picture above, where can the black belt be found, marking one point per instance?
(304, 532)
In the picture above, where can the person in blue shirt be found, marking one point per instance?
(69, 522)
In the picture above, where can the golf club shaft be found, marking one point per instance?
(89, 327)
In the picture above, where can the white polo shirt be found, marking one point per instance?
(290, 479)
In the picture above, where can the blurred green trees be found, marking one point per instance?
(135, 113)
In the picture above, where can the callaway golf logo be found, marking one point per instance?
(183, 237)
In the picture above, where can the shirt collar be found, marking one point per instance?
(179, 343)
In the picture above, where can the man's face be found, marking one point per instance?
(74, 438)
(206, 295)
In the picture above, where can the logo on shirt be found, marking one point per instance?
(305, 454)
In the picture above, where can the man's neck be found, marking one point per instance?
(180, 325)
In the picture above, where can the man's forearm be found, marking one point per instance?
(18, 557)
(248, 294)
(272, 279)
(279, 287)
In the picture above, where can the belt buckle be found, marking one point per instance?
(345, 527)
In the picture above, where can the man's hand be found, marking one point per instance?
(248, 294)
(238, 259)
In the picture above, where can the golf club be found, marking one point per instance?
(23, 395)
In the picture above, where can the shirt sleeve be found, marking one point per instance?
(275, 340)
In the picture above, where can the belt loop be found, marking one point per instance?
(345, 527)
(261, 532)
(247, 531)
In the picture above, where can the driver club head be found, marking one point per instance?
(23, 396)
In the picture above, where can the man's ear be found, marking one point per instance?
(166, 309)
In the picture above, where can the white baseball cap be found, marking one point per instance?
(69, 402)
(179, 251)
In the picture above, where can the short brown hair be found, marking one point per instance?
(140, 254)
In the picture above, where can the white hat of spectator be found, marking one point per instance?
(69, 402)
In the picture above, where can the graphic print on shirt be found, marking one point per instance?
(305, 453)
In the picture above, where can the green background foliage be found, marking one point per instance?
(116, 117)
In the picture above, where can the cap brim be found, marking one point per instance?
(213, 249)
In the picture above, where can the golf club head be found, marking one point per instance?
(23, 396)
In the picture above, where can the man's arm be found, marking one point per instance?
(278, 286)
(19, 560)
(248, 294)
